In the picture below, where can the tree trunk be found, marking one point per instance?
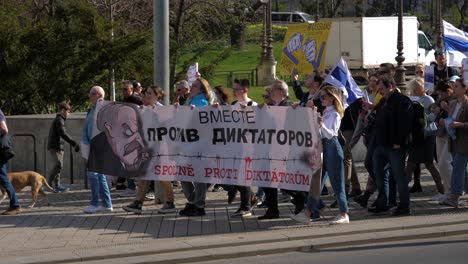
(175, 52)
(462, 14)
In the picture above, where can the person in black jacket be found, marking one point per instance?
(279, 96)
(55, 145)
(392, 130)
(313, 82)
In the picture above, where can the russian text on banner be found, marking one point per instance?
(225, 145)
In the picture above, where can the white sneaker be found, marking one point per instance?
(91, 209)
(438, 197)
(301, 218)
(150, 196)
(340, 220)
(128, 193)
(105, 209)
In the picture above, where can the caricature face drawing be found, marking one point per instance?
(123, 135)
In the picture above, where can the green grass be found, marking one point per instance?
(243, 60)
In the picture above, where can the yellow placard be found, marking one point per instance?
(305, 48)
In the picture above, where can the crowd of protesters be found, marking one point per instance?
(384, 118)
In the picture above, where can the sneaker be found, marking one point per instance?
(91, 209)
(340, 220)
(269, 215)
(263, 204)
(197, 212)
(217, 188)
(301, 218)
(12, 211)
(62, 188)
(105, 209)
(401, 211)
(128, 193)
(438, 197)
(167, 208)
(134, 207)
(150, 196)
(187, 210)
(241, 213)
(450, 200)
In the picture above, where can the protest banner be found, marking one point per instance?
(305, 48)
(225, 145)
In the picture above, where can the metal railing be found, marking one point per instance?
(226, 78)
(34, 144)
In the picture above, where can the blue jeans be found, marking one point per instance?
(333, 167)
(195, 192)
(131, 184)
(382, 157)
(6, 184)
(99, 189)
(458, 173)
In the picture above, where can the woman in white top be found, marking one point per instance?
(332, 157)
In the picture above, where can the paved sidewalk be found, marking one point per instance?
(61, 233)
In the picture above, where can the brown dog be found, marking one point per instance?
(19, 180)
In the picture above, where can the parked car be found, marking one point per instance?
(285, 18)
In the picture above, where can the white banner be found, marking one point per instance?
(226, 145)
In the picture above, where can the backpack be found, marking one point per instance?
(6, 149)
(418, 124)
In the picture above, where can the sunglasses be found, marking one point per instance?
(266, 96)
(323, 97)
(439, 52)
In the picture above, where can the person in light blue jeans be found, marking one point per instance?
(332, 157)
(97, 181)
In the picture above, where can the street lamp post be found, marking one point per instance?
(316, 10)
(400, 70)
(266, 70)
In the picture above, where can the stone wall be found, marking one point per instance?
(29, 137)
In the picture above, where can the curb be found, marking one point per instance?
(183, 250)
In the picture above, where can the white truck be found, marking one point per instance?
(366, 42)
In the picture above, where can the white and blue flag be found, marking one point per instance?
(456, 44)
(341, 78)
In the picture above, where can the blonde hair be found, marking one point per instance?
(336, 94)
(206, 89)
(416, 82)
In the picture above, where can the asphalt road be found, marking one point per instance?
(452, 250)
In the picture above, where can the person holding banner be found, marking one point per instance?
(183, 92)
(97, 181)
(248, 200)
(195, 192)
(151, 97)
(333, 156)
(279, 93)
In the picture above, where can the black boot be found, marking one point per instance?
(415, 188)
(362, 200)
